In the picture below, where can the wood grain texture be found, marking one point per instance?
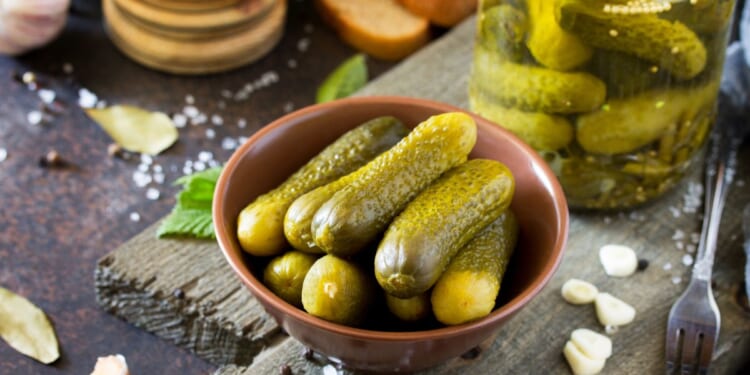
(532, 341)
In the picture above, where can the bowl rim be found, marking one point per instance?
(235, 259)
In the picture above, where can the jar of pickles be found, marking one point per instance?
(617, 95)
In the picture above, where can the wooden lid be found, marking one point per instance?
(200, 56)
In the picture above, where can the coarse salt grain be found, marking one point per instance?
(676, 280)
(67, 68)
(199, 119)
(141, 179)
(187, 170)
(288, 107)
(679, 245)
(607, 220)
(241, 123)
(86, 98)
(179, 120)
(303, 44)
(34, 117)
(134, 216)
(695, 237)
(667, 266)
(213, 163)
(291, 63)
(228, 143)
(146, 159)
(152, 194)
(330, 370)
(740, 183)
(205, 156)
(678, 235)
(158, 178)
(189, 99)
(242, 139)
(143, 167)
(217, 120)
(157, 168)
(190, 111)
(226, 94)
(3, 154)
(199, 166)
(687, 259)
(675, 211)
(47, 96)
(690, 248)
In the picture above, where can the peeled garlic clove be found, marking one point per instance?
(592, 344)
(111, 365)
(580, 363)
(579, 292)
(618, 260)
(612, 311)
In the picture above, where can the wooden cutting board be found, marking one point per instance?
(184, 292)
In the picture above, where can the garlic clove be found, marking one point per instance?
(618, 260)
(592, 344)
(580, 363)
(613, 311)
(578, 292)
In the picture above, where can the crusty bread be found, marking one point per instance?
(382, 28)
(442, 12)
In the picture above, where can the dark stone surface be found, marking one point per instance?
(56, 222)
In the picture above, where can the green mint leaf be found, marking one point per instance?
(349, 77)
(191, 215)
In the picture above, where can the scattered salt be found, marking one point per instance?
(134, 216)
(187, 170)
(147, 159)
(189, 99)
(213, 163)
(47, 96)
(610, 329)
(205, 156)
(210, 134)
(226, 94)
(667, 266)
(198, 119)
(158, 178)
(190, 111)
(179, 120)
(291, 63)
(288, 107)
(695, 237)
(101, 104)
(241, 123)
(690, 248)
(143, 167)
(157, 168)
(152, 194)
(678, 235)
(675, 211)
(199, 166)
(141, 179)
(228, 143)
(309, 28)
(217, 120)
(676, 280)
(221, 104)
(3, 154)
(687, 259)
(67, 68)
(303, 44)
(34, 117)
(607, 220)
(86, 98)
(330, 370)
(241, 140)
(679, 245)
(740, 183)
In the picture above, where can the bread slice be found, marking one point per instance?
(442, 12)
(382, 28)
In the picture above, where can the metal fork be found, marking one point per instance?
(694, 321)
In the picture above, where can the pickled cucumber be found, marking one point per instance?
(356, 214)
(550, 45)
(260, 224)
(285, 273)
(626, 75)
(337, 290)
(502, 30)
(535, 89)
(409, 309)
(421, 241)
(625, 125)
(707, 17)
(671, 45)
(468, 288)
(540, 130)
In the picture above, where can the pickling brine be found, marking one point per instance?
(619, 96)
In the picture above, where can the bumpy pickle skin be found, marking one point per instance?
(502, 30)
(540, 130)
(356, 214)
(285, 273)
(705, 17)
(625, 125)
(420, 242)
(260, 225)
(671, 45)
(625, 75)
(550, 45)
(536, 89)
(468, 288)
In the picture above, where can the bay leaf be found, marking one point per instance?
(26, 328)
(136, 129)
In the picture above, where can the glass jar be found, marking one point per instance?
(617, 95)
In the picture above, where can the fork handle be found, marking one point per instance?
(719, 174)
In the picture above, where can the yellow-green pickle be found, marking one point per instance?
(618, 96)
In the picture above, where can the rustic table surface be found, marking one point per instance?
(69, 244)
(56, 223)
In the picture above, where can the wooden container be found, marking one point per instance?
(194, 37)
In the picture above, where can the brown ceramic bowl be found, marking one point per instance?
(280, 148)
